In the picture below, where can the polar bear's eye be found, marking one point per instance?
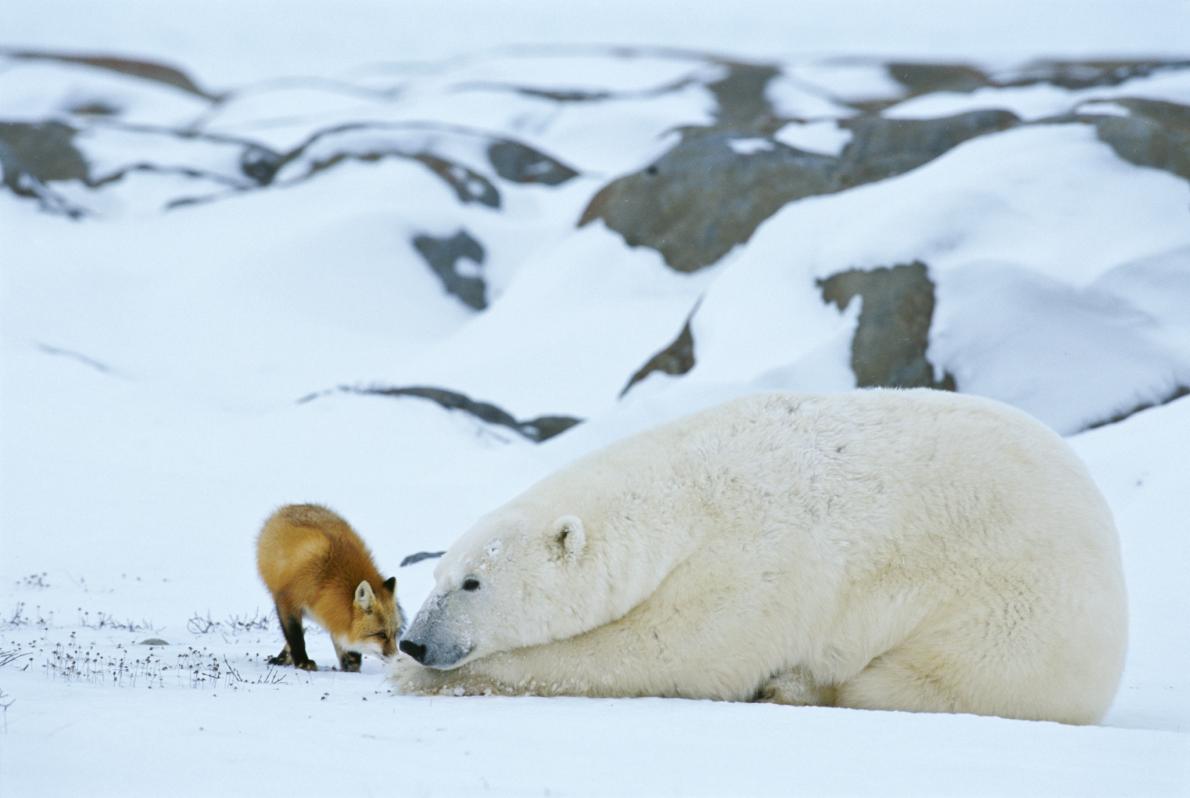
(470, 584)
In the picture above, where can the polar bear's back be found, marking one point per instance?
(945, 459)
(961, 554)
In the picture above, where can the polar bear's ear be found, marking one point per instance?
(570, 537)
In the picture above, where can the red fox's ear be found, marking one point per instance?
(364, 596)
(391, 583)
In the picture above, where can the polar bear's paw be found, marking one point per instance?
(412, 679)
(795, 687)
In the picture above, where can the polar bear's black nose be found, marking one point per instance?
(415, 650)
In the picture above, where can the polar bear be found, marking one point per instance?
(905, 550)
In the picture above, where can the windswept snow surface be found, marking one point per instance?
(170, 366)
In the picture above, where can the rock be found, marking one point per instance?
(45, 151)
(153, 641)
(519, 163)
(34, 155)
(413, 559)
(1087, 74)
(924, 78)
(366, 142)
(469, 185)
(260, 164)
(703, 197)
(881, 148)
(740, 95)
(890, 342)
(1155, 134)
(1177, 393)
(537, 429)
(446, 256)
(134, 67)
(676, 359)
(537, 93)
(708, 194)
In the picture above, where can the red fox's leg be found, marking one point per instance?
(348, 660)
(295, 640)
(283, 658)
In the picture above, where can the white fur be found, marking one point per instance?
(912, 550)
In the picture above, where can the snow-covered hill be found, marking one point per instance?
(408, 290)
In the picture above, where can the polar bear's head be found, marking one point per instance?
(559, 561)
(512, 581)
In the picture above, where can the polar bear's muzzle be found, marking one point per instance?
(433, 656)
(429, 642)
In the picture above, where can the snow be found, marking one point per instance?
(848, 80)
(645, 746)
(1054, 329)
(792, 98)
(1043, 100)
(222, 39)
(826, 138)
(1141, 466)
(587, 294)
(36, 90)
(749, 146)
(169, 373)
(1076, 213)
(1103, 109)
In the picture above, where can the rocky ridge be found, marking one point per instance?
(691, 161)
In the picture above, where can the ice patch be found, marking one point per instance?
(1103, 109)
(790, 98)
(750, 146)
(826, 138)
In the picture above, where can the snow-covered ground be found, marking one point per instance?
(176, 332)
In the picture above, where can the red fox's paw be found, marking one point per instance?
(350, 662)
(308, 665)
(281, 659)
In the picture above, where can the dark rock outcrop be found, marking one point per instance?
(468, 185)
(134, 67)
(1088, 74)
(890, 342)
(676, 359)
(1177, 393)
(702, 197)
(444, 256)
(537, 429)
(928, 77)
(45, 151)
(259, 164)
(740, 97)
(34, 155)
(925, 77)
(414, 559)
(1155, 134)
(519, 163)
(881, 148)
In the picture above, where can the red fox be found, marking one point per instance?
(315, 564)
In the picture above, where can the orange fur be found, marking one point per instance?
(315, 565)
